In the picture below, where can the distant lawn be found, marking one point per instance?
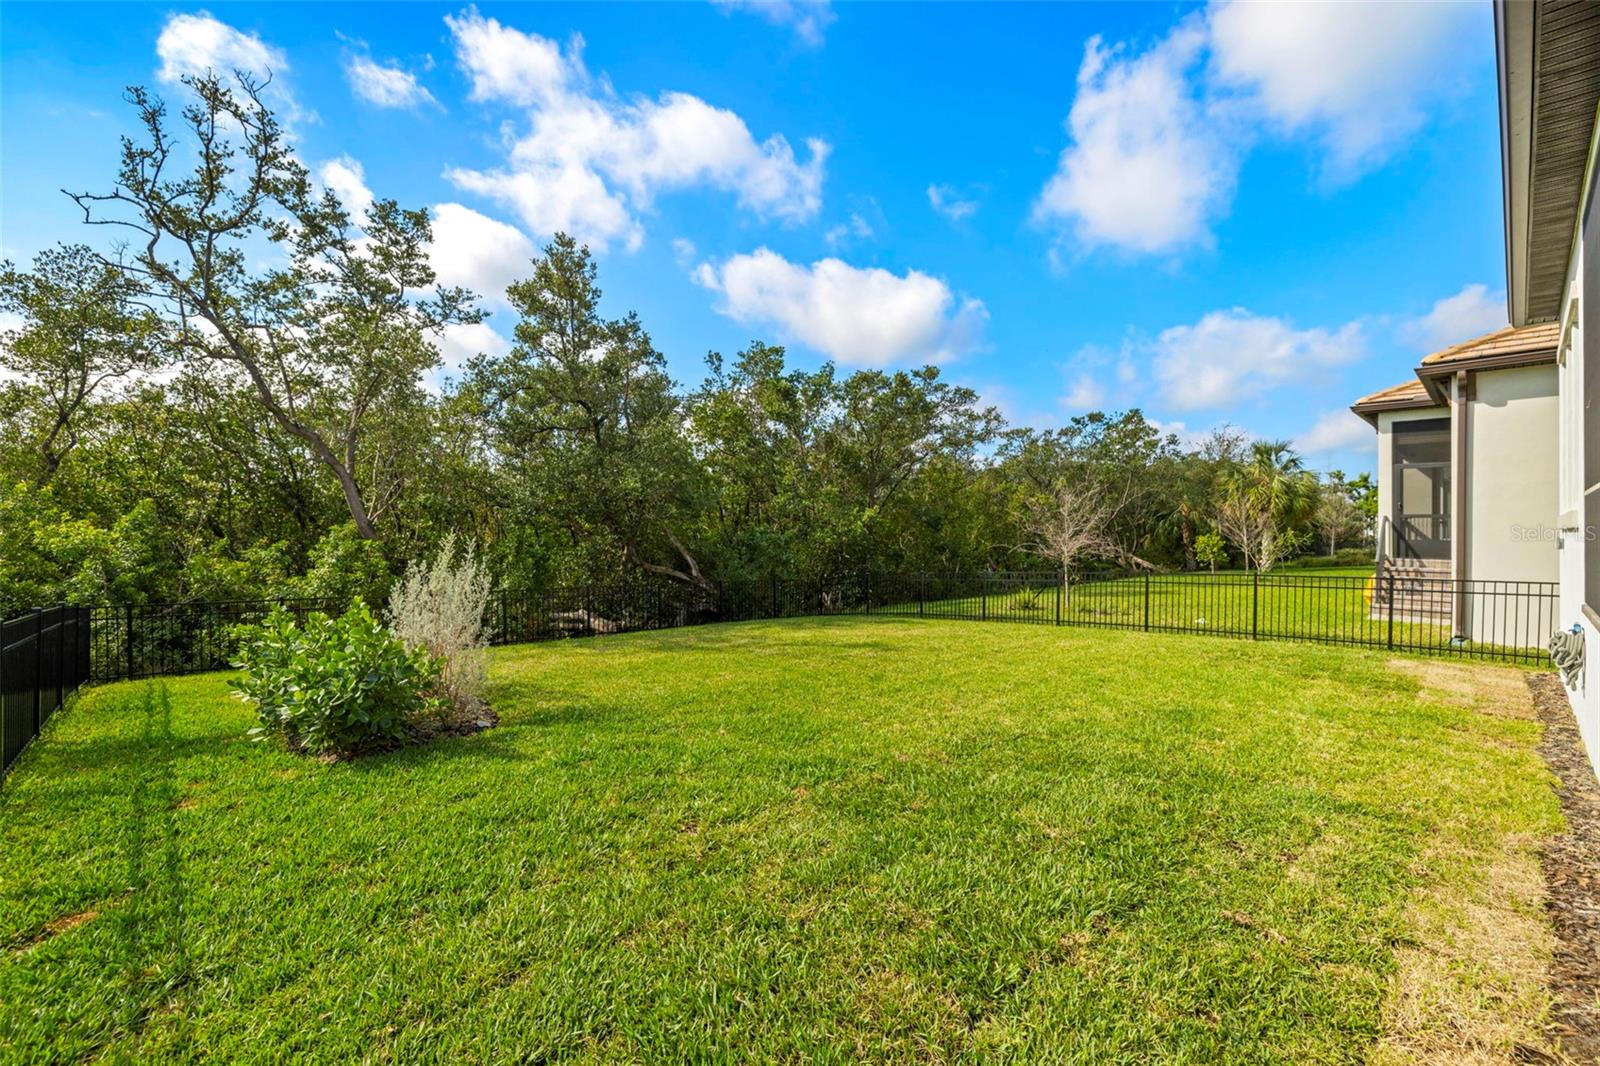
(1325, 604)
(812, 840)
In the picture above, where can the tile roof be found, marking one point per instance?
(1510, 340)
(1509, 346)
(1397, 395)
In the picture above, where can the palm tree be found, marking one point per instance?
(1278, 477)
(1263, 498)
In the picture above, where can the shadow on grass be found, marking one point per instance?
(151, 945)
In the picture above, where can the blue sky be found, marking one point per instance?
(1226, 213)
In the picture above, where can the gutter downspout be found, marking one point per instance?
(1459, 481)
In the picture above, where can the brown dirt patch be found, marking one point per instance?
(54, 927)
(1571, 863)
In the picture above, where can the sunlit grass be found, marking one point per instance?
(826, 839)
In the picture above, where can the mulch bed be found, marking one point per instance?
(1572, 873)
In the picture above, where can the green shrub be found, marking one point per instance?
(1210, 548)
(334, 685)
(345, 567)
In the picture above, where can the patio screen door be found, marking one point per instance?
(1422, 488)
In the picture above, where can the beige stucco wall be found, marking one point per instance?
(1512, 444)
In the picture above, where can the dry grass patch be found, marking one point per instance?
(1501, 691)
(1471, 986)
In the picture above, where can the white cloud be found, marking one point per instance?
(385, 84)
(1156, 138)
(589, 161)
(1469, 313)
(469, 249)
(348, 181)
(478, 252)
(949, 203)
(1188, 439)
(1340, 430)
(199, 44)
(1085, 394)
(808, 18)
(1229, 356)
(857, 316)
(1355, 75)
(857, 228)
(572, 200)
(1145, 171)
(459, 343)
(683, 251)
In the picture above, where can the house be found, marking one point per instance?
(1549, 65)
(1467, 468)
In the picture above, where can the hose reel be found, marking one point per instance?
(1566, 653)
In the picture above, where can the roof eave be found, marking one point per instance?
(1369, 412)
(1431, 374)
(1515, 60)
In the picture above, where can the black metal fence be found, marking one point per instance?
(131, 641)
(48, 653)
(1508, 621)
(44, 657)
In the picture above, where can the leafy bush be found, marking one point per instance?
(1357, 556)
(1211, 549)
(1028, 598)
(438, 606)
(345, 567)
(334, 685)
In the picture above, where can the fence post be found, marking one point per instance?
(1147, 601)
(38, 664)
(867, 579)
(61, 632)
(772, 582)
(1061, 590)
(1389, 580)
(983, 592)
(1255, 603)
(127, 637)
(922, 592)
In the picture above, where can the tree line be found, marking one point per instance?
(231, 400)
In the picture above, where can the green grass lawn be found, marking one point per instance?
(821, 840)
